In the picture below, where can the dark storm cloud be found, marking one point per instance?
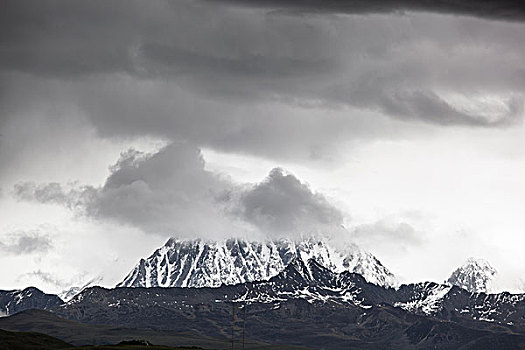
(491, 9)
(64, 39)
(61, 38)
(170, 191)
(228, 60)
(18, 243)
(282, 203)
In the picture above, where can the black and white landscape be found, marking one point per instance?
(304, 302)
(301, 174)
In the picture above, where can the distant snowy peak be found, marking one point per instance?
(475, 276)
(69, 293)
(198, 263)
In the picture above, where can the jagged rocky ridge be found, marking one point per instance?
(199, 263)
(308, 304)
(308, 281)
(475, 276)
(12, 301)
(314, 284)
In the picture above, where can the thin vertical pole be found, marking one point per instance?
(243, 323)
(233, 321)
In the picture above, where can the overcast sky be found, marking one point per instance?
(395, 125)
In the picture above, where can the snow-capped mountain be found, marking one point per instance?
(308, 283)
(315, 307)
(448, 302)
(475, 276)
(423, 298)
(305, 296)
(198, 263)
(69, 293)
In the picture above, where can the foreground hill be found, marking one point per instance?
(30, 341)
(81, 334)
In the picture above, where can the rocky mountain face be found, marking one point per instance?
(315, 284)
(310, 305)
(451, 302)
(475, 276)
(310, 282)
(210, 264)
(293, 324)
(307, 304)
(12, 301)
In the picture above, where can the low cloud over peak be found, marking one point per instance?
(170, 191)
(282, 203)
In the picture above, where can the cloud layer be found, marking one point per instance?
(29, 242)
(255, 80)
(282, 203)
(500, 10)
(170, 192)
(387, 106)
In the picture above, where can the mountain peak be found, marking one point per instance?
(475, 275)
(198, 263)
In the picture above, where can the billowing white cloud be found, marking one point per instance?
(170, 192)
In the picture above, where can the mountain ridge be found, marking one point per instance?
(308, 304)
(12, 301)
(199, 263)
(475, 275)
(315, 284)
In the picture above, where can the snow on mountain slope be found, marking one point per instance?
(475, 276)
(425, 297)
(69, 293)
(13, 301)
(472, 278)
(198, 263)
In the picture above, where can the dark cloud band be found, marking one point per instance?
(222, 58)
(491, 9)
